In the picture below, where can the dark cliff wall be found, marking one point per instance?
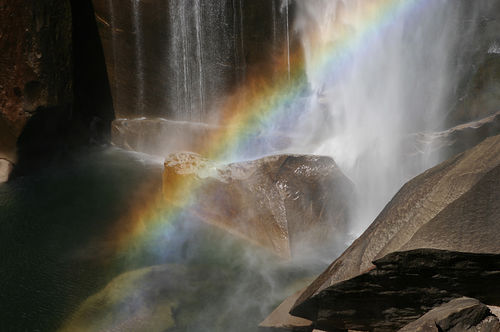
(54, 93)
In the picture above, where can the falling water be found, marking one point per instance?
(185, 59)
(394, 84)
(285, 5)
(139, 56)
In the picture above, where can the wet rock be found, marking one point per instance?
(402, 287)
(462, 314)
(290, 204)
(161, 137)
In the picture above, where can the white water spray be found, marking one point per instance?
(396, 83)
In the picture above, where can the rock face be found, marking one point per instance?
(286, 203)
(174, 59)
(462, 314)
(51, 61)
(403, 286)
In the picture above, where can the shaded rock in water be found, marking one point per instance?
(402, 287)
(287, 203)
(462, 314)
(161, 137)
(444, 144)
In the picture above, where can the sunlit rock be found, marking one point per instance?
(453, 206)
(291, 204)
(462, 314)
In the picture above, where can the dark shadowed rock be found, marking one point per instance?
(462, 314)
(402, 287)
(287, 203)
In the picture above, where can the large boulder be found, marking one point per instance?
(290, 204)
(462, 314)
(453, 206)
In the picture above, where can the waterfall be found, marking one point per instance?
(285, 6)
(139, 56)
(395, 81)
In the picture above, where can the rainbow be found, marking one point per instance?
(258, 104)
